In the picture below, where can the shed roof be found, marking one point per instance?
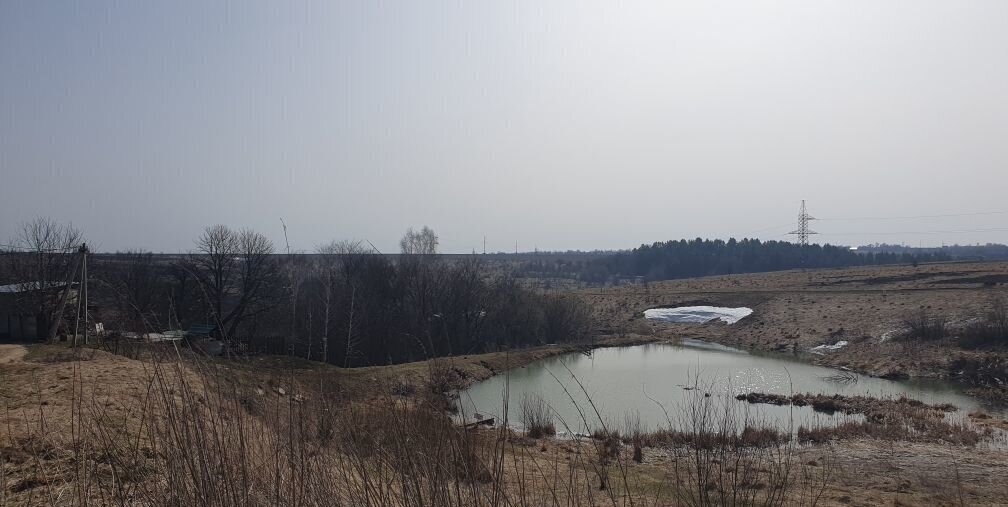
(16, 288)
(201, 329)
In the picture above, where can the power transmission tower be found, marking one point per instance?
(803, 231)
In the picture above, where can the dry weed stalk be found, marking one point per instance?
(200, 435)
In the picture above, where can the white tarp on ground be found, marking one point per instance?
(698, 314)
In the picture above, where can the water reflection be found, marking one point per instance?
(655, 380)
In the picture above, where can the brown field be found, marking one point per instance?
(794, 311)
(53, 399)
(37, 391)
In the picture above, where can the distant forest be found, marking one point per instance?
(989, 251)
(704, 257)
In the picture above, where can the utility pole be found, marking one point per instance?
(803, 231)
(293, 292)
(84, 279)
(82, 295)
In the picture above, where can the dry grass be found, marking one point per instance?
(199, 433)
(795, 311)
(173, 430)
(537, 417)
(732, 460)
(924, 326)
(203, 438)
(896, 419)
(991, 330)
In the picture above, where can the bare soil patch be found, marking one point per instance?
(12, 353)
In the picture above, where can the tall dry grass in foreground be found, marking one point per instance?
(201, 436)
(734, 457)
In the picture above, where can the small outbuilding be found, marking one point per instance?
(18, 321)
(197, 331)
(205, 338)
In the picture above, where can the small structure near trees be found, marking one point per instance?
(20, 318)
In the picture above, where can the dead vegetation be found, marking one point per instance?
(796, 311)
(733, 460)
(188, 431)
(989, 331)
(269, 431)
(899, 419)
(203, 438)
(925, 326)
(200, 433)
(537, 417)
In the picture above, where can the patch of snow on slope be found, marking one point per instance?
(698, 314)
(829, 348)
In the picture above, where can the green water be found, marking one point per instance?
(655, 383)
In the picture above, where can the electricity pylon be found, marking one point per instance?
(803, 231)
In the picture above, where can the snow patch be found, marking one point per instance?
(698, 314)
(890, 334)
(821, 349)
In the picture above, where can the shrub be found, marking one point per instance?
(989, 332)
(924, 326)
(537, 417)
(985, 371)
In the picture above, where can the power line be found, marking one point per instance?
(911, 217)
(21, 249)
(954, 231)
(788, 225)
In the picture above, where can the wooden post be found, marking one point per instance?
(84, 278)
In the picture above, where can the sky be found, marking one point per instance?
(554, 125)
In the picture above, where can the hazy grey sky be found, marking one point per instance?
(560, 125)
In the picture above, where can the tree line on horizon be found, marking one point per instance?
(667, 260)
(986, 251)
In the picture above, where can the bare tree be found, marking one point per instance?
(214, 263)
(295, 278)
(46, 259)
(340, 262)
(419, 279)
(184, 293)
(132, 281)
(463, 302)
(257, 277)
(422, 242)
(237, 272)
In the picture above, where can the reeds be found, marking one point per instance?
(892, 419)
(924, 326)
(729, 460)
(537, 417)
(989, 331)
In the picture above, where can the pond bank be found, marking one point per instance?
(795, 312)
(645, 382)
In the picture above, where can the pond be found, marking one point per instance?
(650, 381)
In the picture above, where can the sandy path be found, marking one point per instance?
(12, 353)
